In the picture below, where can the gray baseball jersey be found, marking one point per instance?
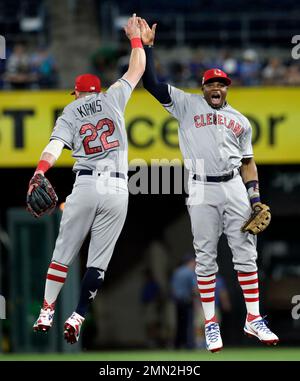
(93, 127)
(221, 137)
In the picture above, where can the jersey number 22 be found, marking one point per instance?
(103, 144)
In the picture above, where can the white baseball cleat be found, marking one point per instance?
(44, 321)
(213, 337)
(72, 328)
(258, 328)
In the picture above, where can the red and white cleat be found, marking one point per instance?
(44, 321)
(258, 328)
(72, 328)
(213, 337)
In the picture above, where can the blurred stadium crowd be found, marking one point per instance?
(32, 63)
(36, 68)
(29, 69)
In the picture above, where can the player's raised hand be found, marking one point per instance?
(147, 33)
(132, 28)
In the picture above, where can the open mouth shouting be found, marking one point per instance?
(215, 93)
(216, 99)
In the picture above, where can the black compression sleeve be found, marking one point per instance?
(157, 89)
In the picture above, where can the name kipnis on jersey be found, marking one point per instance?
(90, 108)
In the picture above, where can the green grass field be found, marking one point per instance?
(228, 354)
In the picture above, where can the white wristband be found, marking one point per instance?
(55, 147)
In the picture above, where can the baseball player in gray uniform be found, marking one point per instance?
(215, 141)
(93, 127)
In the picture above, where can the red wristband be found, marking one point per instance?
(43, 165)
(136, 42)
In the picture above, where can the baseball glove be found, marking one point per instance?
(41, 197)
(259, 219)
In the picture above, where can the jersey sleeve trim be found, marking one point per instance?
(248, 155)
(122, 79)
(168, 104)
(171, 103)
(62, 140)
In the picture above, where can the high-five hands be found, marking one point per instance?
(147, 33)
(132, 28)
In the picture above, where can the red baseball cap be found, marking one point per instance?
(216, 74)
(87, 83)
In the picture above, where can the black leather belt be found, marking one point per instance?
(89, 172)
(214, 179)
